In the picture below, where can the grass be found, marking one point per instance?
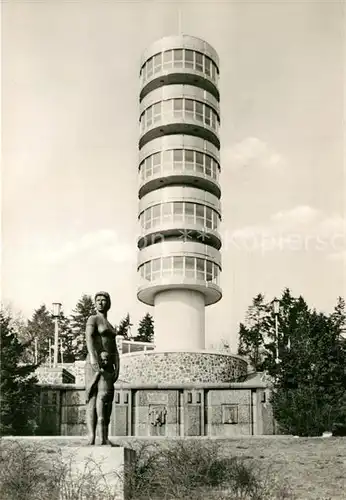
(244, 468)
(315, 468)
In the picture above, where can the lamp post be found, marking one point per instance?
(56, 314)
(276, 310)
(49, 353)
(36, 350)
(61, 352)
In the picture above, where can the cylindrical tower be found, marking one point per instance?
(179, 259)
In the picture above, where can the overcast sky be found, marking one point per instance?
(70, 137)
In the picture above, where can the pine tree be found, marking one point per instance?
(145, 331)
(41, 327)
(20, 325)
(85, 307)
(339, 316)
(124, 327)
(252, 335)
(18, 392)
(257, 335)
(66, 341)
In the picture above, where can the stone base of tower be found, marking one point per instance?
(181, 367)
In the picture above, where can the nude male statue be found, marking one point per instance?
(101, 370)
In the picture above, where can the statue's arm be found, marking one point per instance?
(116, 363)
(90, 329)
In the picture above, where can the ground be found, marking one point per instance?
(313, 468)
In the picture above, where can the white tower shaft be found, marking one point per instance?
(179, 320)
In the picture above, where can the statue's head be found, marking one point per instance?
(104, 359)
(102, 301)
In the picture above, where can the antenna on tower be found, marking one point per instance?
(180, 21)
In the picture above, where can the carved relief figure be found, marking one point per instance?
(101, 370)
(157, 416)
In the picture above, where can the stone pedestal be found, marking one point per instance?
(101, 469)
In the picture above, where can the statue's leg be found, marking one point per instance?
(101, 409)
(108, 412)
(91, 419)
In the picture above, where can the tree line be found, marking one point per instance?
(38, 333)
(305, 358)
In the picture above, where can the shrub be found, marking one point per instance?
(306, 412)
(186, 470)
(25, 474)
(192, 470)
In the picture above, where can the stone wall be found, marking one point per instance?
(77, 370)
(265, 423)
(73, 412)
(149, 366)
(66, 373)
(229, 413)
(224, 410)
(59, 375)
(182, 367)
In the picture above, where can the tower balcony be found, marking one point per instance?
(179, 91)
(148, 290)
(179, 159)
(185, 231)
(171, 125)
(180, 200)
(168, 177)
(176, 75)
(179, 265)
(179, 59)
(179, 109)
(179, 212)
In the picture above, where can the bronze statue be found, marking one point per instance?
(101, 370)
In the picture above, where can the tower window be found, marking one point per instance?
(177, 155)
(179, 58)
(157, 112)
(167, 59)
(178, 211)
(209, 276)
(199, 61)
(179, 161)
(190, 212)
(150, 67)
(167, 267)
(178, 265)
(199, 111)
(189, 105)
(189, 63)
(182, 266)
(179, 108)
(207, 65)
(200, 264)
(157, 63)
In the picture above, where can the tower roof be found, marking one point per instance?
(181, 41)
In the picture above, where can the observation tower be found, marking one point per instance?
(179, 259)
